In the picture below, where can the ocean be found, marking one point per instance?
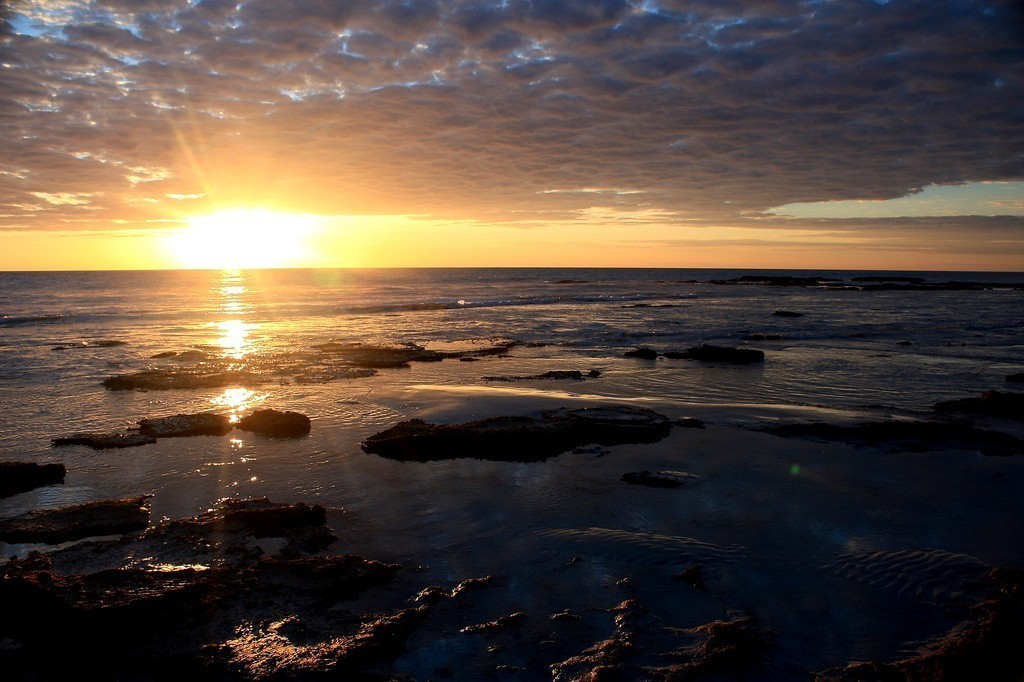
(855, 346)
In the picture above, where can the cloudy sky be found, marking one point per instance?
(757, 133)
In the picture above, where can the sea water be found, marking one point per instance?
(849, 354)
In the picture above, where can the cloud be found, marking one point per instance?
(714, 111)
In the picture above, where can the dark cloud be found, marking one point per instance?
(708, 111)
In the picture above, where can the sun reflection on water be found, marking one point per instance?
(237, 400)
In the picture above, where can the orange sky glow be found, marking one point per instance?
(381, 134)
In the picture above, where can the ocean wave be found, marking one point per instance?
(460, 304)
(27, 320)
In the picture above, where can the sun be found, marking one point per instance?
(244, 238)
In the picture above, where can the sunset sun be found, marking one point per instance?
(243, 238)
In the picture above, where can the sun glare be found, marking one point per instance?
(240, 239)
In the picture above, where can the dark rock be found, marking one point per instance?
(1017, 378)
(200, 424)
(553, 375)
(787, 313)
(163, 355)
(262, 518)
(161, 379)
(642, 353)
(191, 356)
(53, 526)
(692, 576)
(103, 441)
(512, 620)
(364, 355)
(275, 424)
(904, 343)
(523, 439)
(897, 436)
(594, 373)
(1004, 405)
(651, 480)
(709, 353)
(566, 615)
(17, 477)
(468, 358)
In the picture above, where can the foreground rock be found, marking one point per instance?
(894, 436)
(985, 646)
(275, 424)
(18, 477)
(105, 441)
(708, 353)
(519, 439)
(200, 424)
(719, 650)
(1000, 404)
(196, 598)
(165, 379)
(53, 526)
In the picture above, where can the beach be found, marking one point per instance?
(732, 551)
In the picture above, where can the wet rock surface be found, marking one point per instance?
(164, 379)
(643, 648)
(180, 425)
(196, 597)
(896, 436)
(727, 354)
(642, 353)
(18, 477)
(64, 524)
(519, 438)
(999, 404)
(275, 424)
(553, 375)
(105, 441)
(985, 646)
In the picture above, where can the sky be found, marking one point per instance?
(864, 134)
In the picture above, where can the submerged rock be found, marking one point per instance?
(162, 379)
(896, 436)
(104, 441)
(53, 526)
(642, 353)
(515, 438)
(553, 375)
(787, 313)
(366, 355)
(275, 424)
(709, 353)
(104, 343)
(661, 479)
(18, 477)
(1001, 404)
(200, 424)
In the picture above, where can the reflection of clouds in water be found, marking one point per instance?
(237, 400)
